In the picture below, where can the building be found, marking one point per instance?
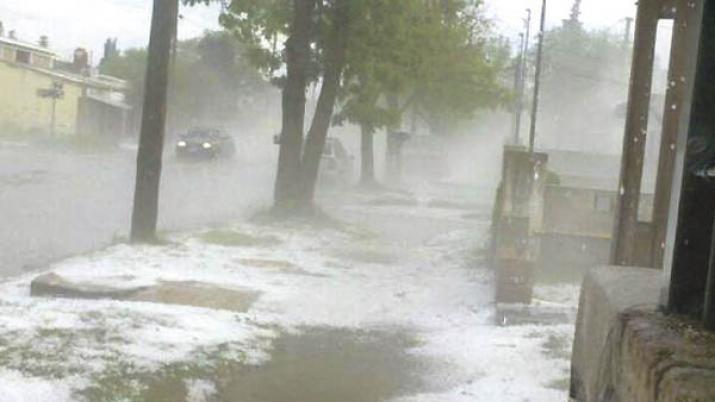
(42, 94)
(579, 211)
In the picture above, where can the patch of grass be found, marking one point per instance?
(269, 264)
(368, 256)
(167, 384)
(557, 347)
(230, 238)
(447, 204)
(562, 384)
(391, 201)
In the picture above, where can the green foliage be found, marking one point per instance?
(441, 60)
(230, 238)
(130, 66)
(211, 78)
(585, 75)
(439, 57)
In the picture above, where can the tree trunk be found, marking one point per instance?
(392, 160)
(335, 61)
(297, 48)
(367, 156)
(151, 141)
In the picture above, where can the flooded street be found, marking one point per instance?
(56, 203)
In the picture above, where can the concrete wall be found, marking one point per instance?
(585, 211)
(625, 350)
(517, 217)
(101, 120)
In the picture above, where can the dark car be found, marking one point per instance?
(205, 143)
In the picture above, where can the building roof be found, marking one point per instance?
(577, 169)
(101, 82)
(110, 102)
(26, 45)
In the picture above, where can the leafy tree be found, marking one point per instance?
(212, 80)
(583, 71)
(437, 59)
(378, 57)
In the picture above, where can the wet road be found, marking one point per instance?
(55, 204)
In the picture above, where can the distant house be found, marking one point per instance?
(579, 211)
(44, 94)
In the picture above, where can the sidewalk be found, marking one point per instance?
(354, 312)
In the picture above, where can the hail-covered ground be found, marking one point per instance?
(389, 299)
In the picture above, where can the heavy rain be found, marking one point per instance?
(357, 201)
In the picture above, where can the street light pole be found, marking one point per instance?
(537, 79)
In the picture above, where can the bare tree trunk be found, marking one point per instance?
(297, 48)
(367, 156)
(151, 141)
(335, 61)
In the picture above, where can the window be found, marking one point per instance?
(22, 56)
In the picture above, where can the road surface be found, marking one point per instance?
(56, 203)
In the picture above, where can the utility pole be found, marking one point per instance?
(627, 35)
(151, 141)
(518, 84)
(537, 79)
(521, 79)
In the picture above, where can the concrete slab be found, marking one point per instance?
(607, 292)
(189, 293)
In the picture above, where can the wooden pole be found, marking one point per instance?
(682, 60)
(518, 85)
(626, 219)
(151, 141)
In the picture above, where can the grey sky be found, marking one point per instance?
(87, 23)
(608, 14)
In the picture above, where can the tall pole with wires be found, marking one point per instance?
(518, 84)
(537, 78)
(524, 62)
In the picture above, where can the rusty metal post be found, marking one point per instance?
(626, 219)
(682, 55)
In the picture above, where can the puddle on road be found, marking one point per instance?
(331, 365)
(315, 365)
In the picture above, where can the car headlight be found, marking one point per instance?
(207, 145)
(181, 144)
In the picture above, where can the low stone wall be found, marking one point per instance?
(625, 350)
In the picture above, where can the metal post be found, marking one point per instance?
(524, 67)
(627, 35)
(525, 51)
(537, 79)
(53, 117)
(626, 219)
